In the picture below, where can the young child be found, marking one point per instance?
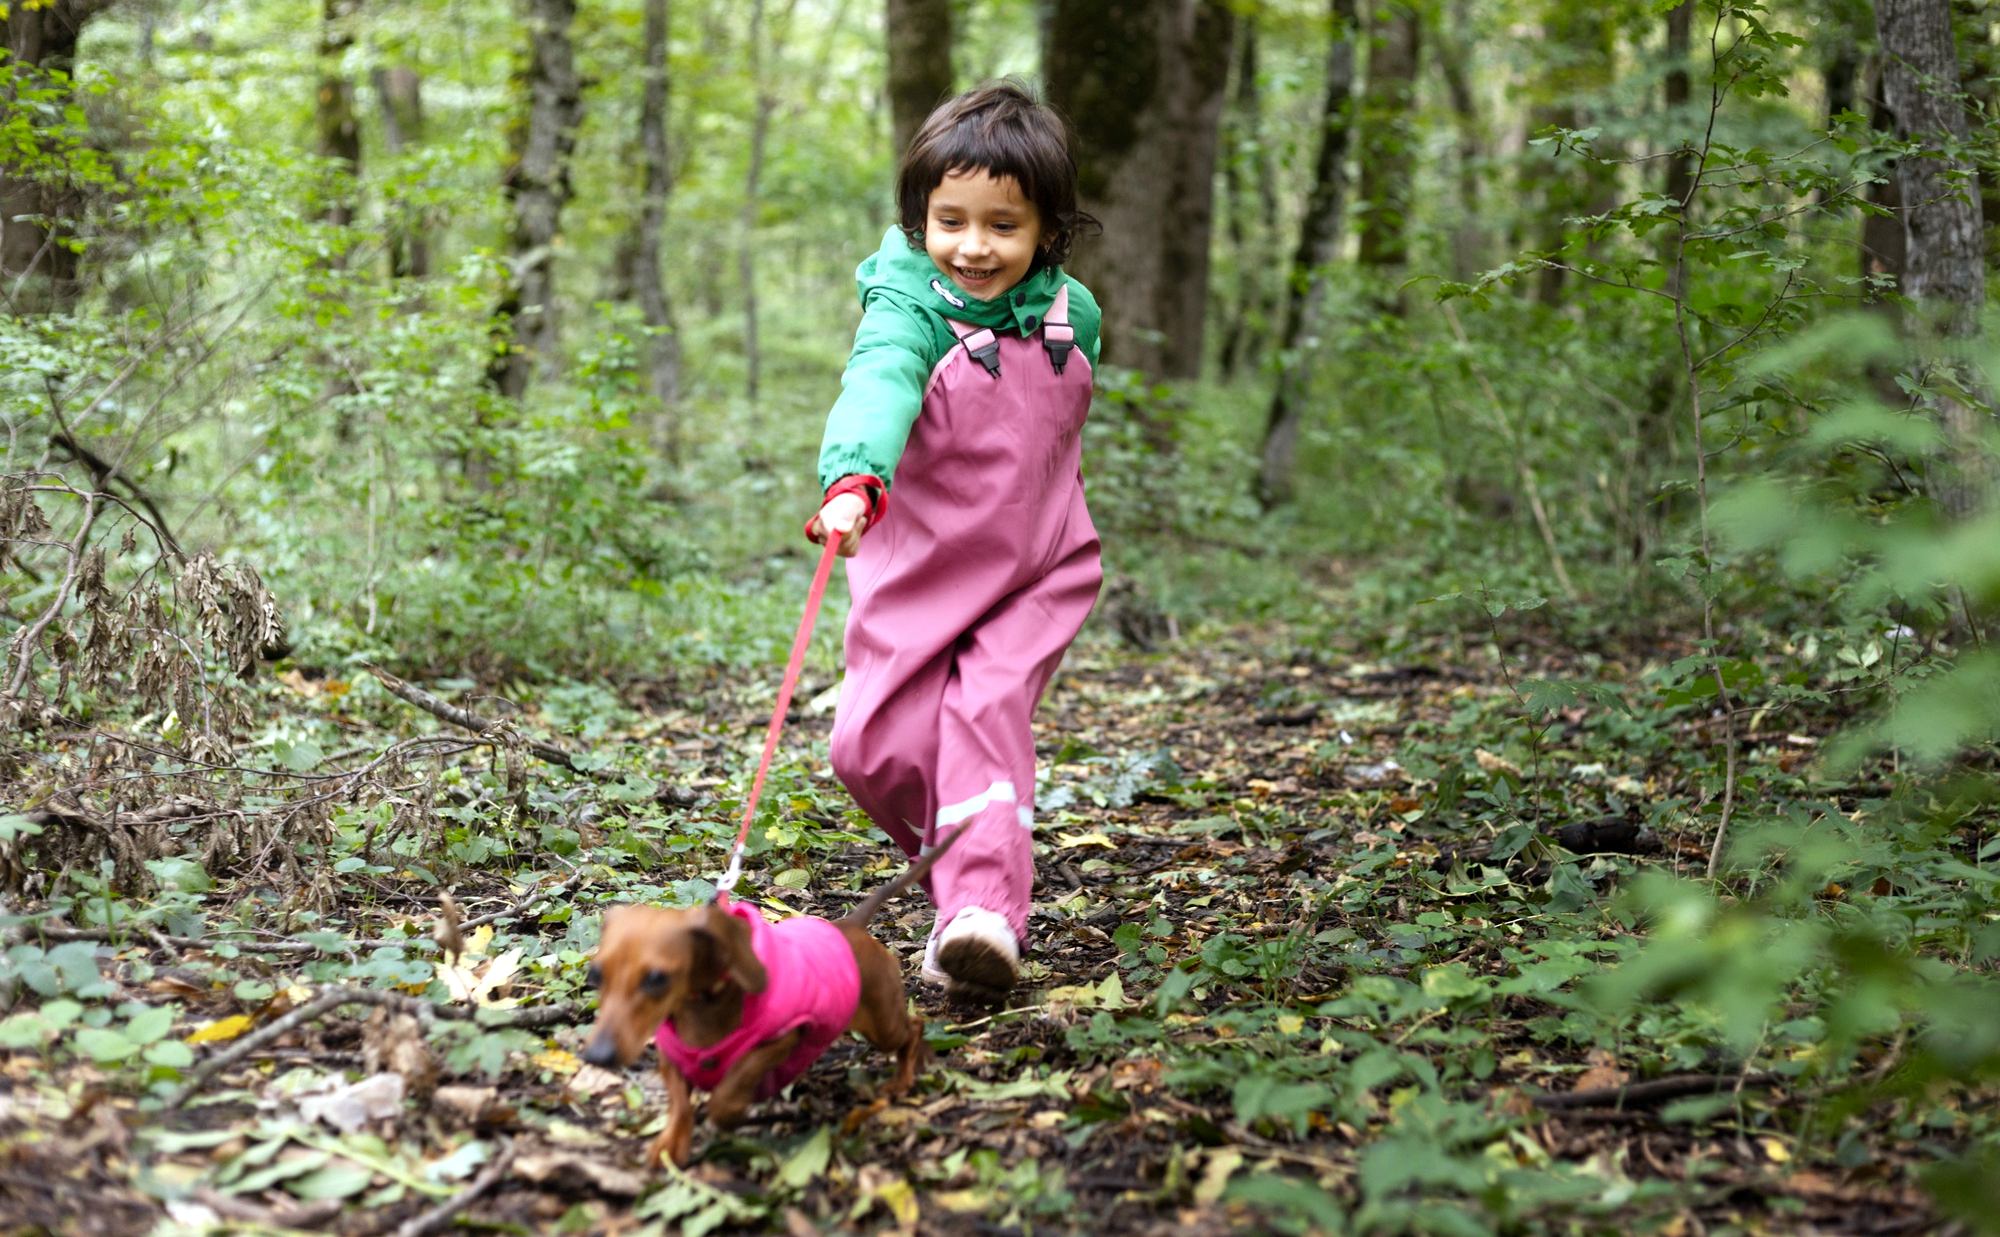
(964, 399)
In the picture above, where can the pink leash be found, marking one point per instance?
(727, 883)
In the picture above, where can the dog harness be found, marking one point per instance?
(812, 983)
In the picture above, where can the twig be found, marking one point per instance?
(333, 998)
(441, 1215)
(1652, 1091)
(528, 899)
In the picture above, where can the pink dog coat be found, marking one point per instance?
(812, 983)
(964, 601)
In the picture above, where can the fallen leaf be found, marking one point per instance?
(1072, 840)
(1495, 764)
(450, 941)
(1218, 1166)
(572, 1173)
(221, 1030)
(1603, 1071)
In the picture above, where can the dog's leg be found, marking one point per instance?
(677, 1140)
(732, 1097)
(882, 1014)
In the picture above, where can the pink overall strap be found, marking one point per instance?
(1058, 336)
(980, 342)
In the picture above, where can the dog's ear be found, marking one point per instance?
(731, 938)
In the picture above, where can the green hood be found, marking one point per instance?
(897, 269)
(903, 335)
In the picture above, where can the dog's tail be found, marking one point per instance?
(865, 911)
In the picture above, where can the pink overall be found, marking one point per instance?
(812, 984)
(964, 600)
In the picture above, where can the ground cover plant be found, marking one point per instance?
(1532, 767)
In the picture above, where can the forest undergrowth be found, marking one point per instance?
(1330, 935)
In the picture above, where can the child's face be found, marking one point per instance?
(981, 232)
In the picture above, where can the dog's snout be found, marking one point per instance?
(602, 1051)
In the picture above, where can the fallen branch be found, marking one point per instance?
(439, 1216)
(466, 719)
(1652, 1091)
(334, 998)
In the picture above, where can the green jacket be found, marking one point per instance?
(902, 337)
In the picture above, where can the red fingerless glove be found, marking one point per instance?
(869, 487)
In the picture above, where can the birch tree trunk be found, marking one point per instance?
(538, 187)
(1319, 239)
(38, 271)
(1142, 82)
(1945, 276)
(919, 63)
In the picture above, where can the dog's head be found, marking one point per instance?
(651, 963)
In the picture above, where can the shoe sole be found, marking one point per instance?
(976, 970)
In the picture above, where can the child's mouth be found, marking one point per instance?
(968, 276)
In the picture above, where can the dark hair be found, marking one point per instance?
(1001, 129)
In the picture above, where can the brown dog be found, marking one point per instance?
(692, 970)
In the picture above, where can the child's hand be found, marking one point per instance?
(844, 514)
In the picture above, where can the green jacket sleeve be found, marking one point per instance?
(1087, 318)
(881, 393)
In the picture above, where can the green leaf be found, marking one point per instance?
(103, 1046)
(340, 1179)
(150, 1025)
(808, 1163)
(171, 1053)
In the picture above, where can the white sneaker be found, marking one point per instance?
(975, 953)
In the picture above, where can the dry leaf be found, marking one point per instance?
(574, 1174)
(1495, 764)
(449, 939)
(395, 1043)
(1603, 1071)
(220, 1030)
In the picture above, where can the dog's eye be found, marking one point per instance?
(594, 977)
(654, 983)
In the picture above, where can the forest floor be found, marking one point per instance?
(1314, 948)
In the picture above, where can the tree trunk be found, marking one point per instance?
(334, 119)
(1980, 71)
(39, 210)
(662, 348)
(1578, 54)
(1884, 239)
(1142, 81)
(1388, 142)
(746, 250)
(1468, 237)
(400, 92)
(1319, 239)
(919, 63)
(538, 187)
(1252, 225)
(1678, 89)
(1945, 240)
